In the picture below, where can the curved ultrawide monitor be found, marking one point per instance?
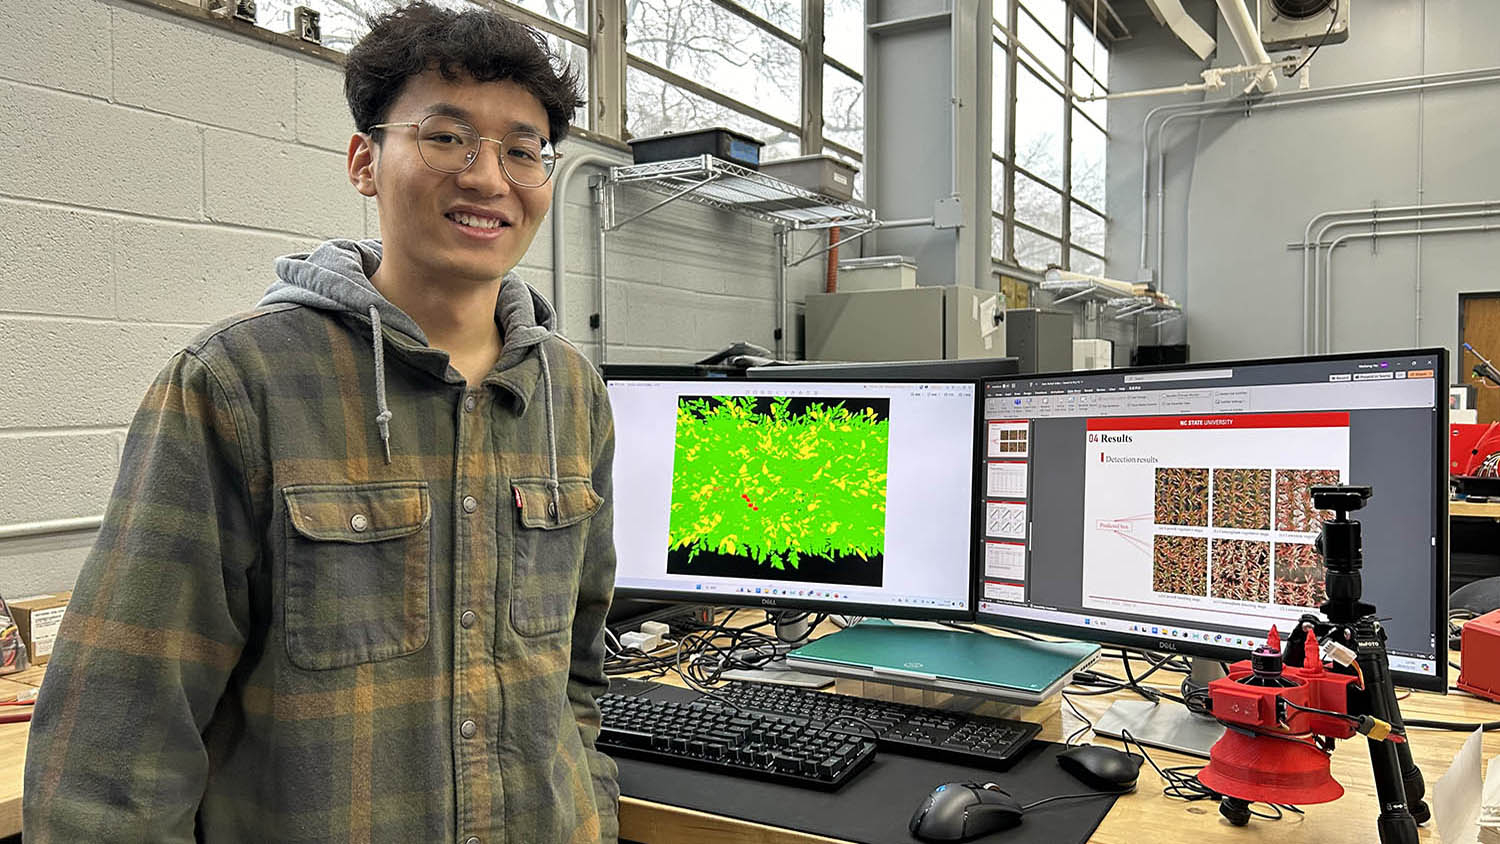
(838, 496)
(1168, 508)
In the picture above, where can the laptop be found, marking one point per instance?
(1003, 668)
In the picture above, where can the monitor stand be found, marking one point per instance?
(1167, 724)
(775, 671)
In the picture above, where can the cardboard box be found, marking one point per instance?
(37, 618)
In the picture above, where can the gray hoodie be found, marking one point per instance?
(336, 277)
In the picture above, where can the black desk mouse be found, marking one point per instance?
(1101, 767)
(958, 811)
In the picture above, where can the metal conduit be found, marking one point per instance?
(1247, 107)
(1371, 216)
(55, 526)
(1338, 241)
(1372, 86)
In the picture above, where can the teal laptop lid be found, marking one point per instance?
(926, 656)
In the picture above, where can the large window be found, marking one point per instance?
(1048, 147)
(755, 66)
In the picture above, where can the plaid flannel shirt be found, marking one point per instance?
(279, 636)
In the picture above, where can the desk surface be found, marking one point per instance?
(1488, 509)
(1143, 816)
(13, 750)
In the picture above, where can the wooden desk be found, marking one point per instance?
(1147, 815)
(1143, 816)
(13, 750)
(1470, 509)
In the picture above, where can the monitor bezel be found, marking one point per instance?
(1434, 683)
(776, 603)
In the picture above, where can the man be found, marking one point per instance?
(353, 578)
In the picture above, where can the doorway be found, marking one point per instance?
(1479, 326)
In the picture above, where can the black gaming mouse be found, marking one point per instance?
(958, 811)
(1101, 767)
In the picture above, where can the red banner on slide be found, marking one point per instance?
(1224, 422)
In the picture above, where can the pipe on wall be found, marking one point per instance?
(1327, 339)
(1312, 244)
(571, 164)
(1247, 37)
(1249, 106)
(1377, 235)
(1473, 76)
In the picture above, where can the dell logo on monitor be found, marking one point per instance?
(1166, 646)
(770, 602)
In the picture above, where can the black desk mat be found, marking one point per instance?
(877, 805)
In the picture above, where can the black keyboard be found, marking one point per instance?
(900, 728)
(707, 734)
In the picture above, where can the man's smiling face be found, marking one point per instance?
(472, 226)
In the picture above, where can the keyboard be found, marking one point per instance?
(710, 735)
(900, 728)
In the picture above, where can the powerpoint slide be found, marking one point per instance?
(767, 485)
(1008, 439)
(1006, 479)
(1005, 560)
(1005, 518)
(1207, 513)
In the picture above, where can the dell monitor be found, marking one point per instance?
(1168, 508)
(846, 497)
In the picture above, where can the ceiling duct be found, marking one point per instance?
(1171, 15)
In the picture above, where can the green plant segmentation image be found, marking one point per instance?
(780, 487)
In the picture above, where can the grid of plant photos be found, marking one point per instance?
(1241, 534)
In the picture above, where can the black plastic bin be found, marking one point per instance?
(718, 142)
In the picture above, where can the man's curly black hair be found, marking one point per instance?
(481, 44)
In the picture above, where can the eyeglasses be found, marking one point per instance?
(449, 145)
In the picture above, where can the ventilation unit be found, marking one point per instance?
(1292, 24)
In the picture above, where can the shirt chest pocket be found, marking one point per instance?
(356, 572)
(550, 537)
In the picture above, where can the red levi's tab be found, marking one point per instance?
(1221, 422)
(520, 502)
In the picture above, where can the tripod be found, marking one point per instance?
(1351, 623)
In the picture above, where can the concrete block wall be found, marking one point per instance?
(141, 202)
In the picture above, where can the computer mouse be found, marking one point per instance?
(959, 811)
(1101, 767)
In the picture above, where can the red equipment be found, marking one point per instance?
(1480, 674)
(1469, 445)
(1271, 751)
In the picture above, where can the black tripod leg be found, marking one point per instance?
(1397, 823)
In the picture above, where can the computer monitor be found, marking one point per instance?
(848, 497)
(1168, 508)
(958, 368)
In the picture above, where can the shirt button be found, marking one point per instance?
(471, 840)
(359, 522)
(470, 504)
(469, 403)
(467, 729)
(468, 619)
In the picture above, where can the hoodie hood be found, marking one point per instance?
(336, 277)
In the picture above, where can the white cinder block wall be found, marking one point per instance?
(151, 167)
